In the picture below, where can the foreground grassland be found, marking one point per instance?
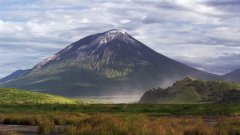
(153, 109)
(125, 119)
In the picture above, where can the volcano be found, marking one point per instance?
(112, 62)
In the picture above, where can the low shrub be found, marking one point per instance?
(19, 120)
(46, 126)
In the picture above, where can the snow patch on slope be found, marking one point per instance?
(52, 58)
(113, 34)
(44, 62)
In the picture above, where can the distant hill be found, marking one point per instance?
(190, 90)
(14, 75)
(233, 76)
(16, 96)
(108, 63)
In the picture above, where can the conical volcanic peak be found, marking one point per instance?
(114, 34)
(110, 62)
(113, 53)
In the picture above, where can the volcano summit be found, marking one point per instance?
(106, 63)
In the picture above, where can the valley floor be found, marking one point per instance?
(120, 119)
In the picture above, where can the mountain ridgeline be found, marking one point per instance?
(190, 90)
(233, 76)
(108, 63)
(14, 75)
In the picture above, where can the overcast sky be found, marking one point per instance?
(202, 33)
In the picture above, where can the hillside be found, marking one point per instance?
(14, 75)
(190, 90)
(108, 63)
(16, 96)
(233, 76)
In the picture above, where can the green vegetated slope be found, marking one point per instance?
(16, 96)
(190, 90)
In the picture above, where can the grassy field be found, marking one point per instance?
(57, 115)
(109, 124)
(126, 119)
(157, 109)
(16, 96)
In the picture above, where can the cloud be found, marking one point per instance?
(195, 32)
(226, 5)
(212, 58)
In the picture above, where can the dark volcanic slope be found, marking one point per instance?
(104, 63)
(233, 76)
(190, 90)
(14, 75)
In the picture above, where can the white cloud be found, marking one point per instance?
(9, 27)
(192, 31)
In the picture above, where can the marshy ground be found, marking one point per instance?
(120, 119)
